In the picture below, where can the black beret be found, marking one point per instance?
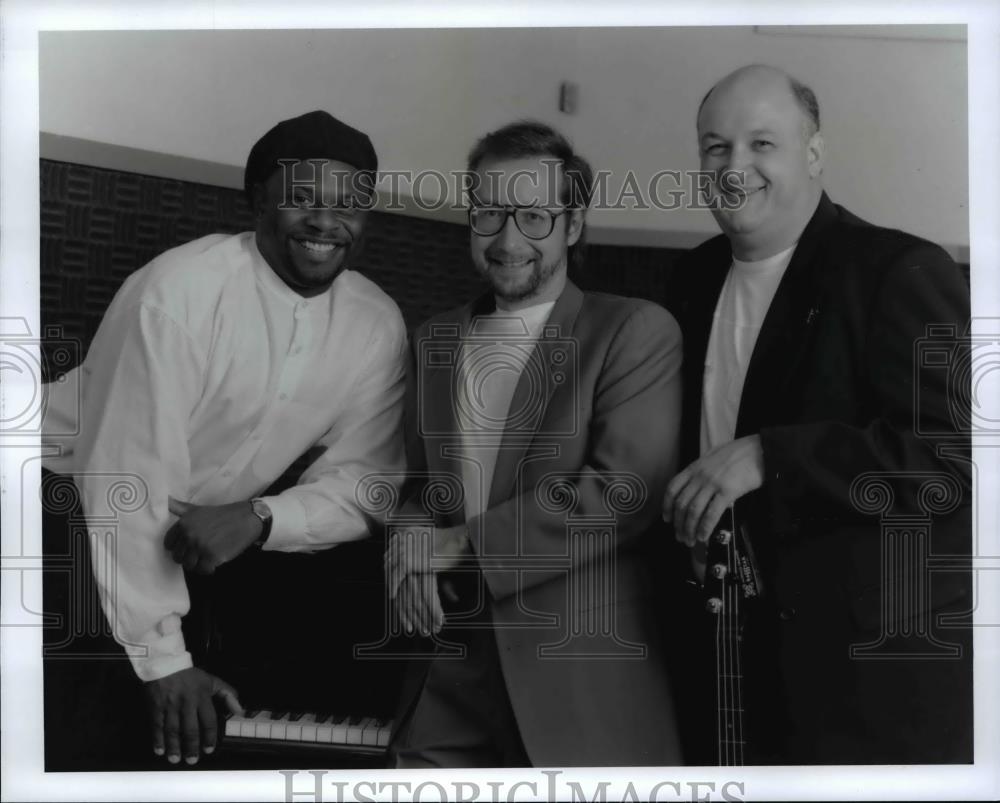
(314, 135)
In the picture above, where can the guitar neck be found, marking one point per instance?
(732, 581)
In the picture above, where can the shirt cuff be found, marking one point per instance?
(164, 652)
(288, 521)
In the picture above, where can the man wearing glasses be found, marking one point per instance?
(552, 417)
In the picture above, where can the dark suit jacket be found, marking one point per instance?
(835, 382)
(565, 572)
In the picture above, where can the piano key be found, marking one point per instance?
(369, 732)
(262, 725)
(233, 725)
(293, 731)
(249, 726)
(339, 735)
(309, 728)
(278, 725)
(354, 730)
(324, 729)
(384, 732)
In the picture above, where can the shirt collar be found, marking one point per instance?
(274, 285)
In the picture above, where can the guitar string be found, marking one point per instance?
(738, 672)
(731, 624)
(720, 686)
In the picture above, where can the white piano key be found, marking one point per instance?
(369, 731)
(354, 730)
(233, 725)
(249, 724)
(309, 728)
(324, 730)
(262, 725)
(339, 729)
(293, 731)
(384, 732)
(279, 725)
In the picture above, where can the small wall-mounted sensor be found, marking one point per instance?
(567, 97)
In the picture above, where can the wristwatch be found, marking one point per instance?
(262, 512)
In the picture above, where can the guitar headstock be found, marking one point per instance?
(731, 574)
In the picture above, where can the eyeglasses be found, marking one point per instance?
(534, 222)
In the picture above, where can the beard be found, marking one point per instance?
(514, 288)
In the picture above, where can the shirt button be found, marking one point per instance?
(283, 396)
(297, 350)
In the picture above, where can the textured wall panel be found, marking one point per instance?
(98, 226)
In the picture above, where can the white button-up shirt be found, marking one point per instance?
(207, 378)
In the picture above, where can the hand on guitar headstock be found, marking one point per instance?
(697, 497)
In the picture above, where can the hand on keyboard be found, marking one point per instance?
(181, 711)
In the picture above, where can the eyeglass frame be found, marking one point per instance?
(511, 210)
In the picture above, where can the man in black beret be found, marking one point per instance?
(214, 368)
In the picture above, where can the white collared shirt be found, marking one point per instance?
(207, 378)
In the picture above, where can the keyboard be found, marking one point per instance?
(286, 730)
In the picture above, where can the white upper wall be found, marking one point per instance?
(894, 111)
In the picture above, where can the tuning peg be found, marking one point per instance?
(719, 571)
(724, 537)
(714, 605)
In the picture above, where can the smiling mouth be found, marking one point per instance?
(510, 264)
(317, 247)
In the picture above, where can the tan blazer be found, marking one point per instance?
(590, 444)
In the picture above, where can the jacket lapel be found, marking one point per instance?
(785, 333)
(550, 363)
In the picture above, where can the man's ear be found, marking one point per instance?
(574, 228)
(815, 153)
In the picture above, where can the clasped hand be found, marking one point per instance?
(698, 496)
(206, 536)
(412, 563)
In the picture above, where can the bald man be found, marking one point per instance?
(801, 324)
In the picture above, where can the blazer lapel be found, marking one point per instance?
(550, 362)
(785, 333)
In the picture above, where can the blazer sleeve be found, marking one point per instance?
(633, 430)
(908, 413)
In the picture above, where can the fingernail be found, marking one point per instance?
(174, 759)
(159, 751)
(191, 759)
(209, 750)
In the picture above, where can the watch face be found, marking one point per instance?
(261, 509)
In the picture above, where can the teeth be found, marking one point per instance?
(319, 248)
